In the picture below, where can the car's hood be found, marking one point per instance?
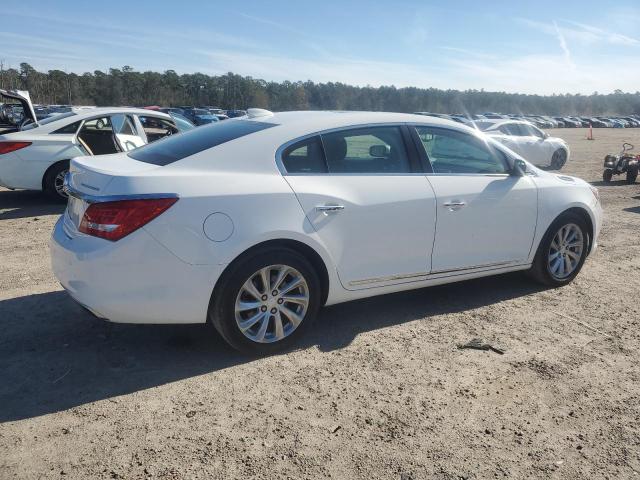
(25, 100)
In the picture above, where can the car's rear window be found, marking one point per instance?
(177, 147)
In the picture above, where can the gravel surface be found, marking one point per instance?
(378, 389)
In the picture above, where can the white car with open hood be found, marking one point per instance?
(529, 141)
(254, 223)
(36, 155)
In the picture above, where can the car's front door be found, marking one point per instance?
(126, 132)
(363, 193)
(486, 217)
(535, 148)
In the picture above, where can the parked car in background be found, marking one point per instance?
(235, 113)
(182, 123)
(534, 145)
(199, 116)
(37, 156)
(596, 122)
(189, 240)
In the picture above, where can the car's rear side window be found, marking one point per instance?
(305, 156)
(177, 147)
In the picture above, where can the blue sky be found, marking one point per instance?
(515, 46)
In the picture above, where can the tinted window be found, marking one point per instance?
(71, 128)
(177, 147)
(456, 152)
(47, 120)
(305, 157)
(366, 150)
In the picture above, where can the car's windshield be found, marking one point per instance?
(48, 120)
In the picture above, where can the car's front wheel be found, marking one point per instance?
(558, 159)
(562, 251)
(266, 301)
(54, 181)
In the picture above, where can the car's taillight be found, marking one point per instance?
(115, 220)
(6, 147)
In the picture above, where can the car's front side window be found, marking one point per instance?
(450, 151)
(366, 150)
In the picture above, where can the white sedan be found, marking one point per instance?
(253, 224)
(37, 156)
(529, 141)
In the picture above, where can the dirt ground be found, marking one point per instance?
(378, 390)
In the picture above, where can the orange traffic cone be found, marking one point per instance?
(590, 134)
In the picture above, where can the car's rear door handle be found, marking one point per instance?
(329, 208)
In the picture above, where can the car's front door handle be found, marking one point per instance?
(454, 205)
(329, 208)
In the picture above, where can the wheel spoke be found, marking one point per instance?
(279, 331)
(574, 255)
(556, 265)
(290, 286)
(251, 289)
(265, 275)
(281, 276)
(291, 315)
(263, 328)
(299, 299)
(250, 322)
(244, 306)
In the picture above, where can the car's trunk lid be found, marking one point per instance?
(89, 179)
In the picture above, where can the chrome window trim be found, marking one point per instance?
(72, 192)
(284, 146)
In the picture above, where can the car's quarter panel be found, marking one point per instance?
(25, 168)
(384, 233)
(494, 224)
(134, 280)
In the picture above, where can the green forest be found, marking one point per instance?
(126, 86)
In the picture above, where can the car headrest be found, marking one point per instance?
(335, 147)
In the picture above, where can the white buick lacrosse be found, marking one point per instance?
(253, 224)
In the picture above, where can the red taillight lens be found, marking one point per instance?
(6, 147)
(115, 220)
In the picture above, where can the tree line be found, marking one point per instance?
(125, 86)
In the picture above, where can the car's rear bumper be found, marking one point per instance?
(134, 280)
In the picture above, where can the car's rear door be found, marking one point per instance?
(486, 218)
(364, 193)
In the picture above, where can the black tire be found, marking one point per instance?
(51, 181)
(222, 306)
(558, 159)
(540, 269)
(632, 174)
(607, 175)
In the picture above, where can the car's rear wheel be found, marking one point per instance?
(558, 159)
(266, 301)
(562, 251)
(54, 181)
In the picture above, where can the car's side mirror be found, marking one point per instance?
(519, 168)
(379, 151)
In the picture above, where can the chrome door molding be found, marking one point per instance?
(417, 277)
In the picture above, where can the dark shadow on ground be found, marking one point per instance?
(27, 203)
(54, 355)
(632, 209)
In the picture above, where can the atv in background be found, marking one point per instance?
(624, 162)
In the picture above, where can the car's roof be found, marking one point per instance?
(316, 121)
(91, 112)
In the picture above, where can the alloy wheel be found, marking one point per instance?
(58, 183)
(566, 251)
(272, 303)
